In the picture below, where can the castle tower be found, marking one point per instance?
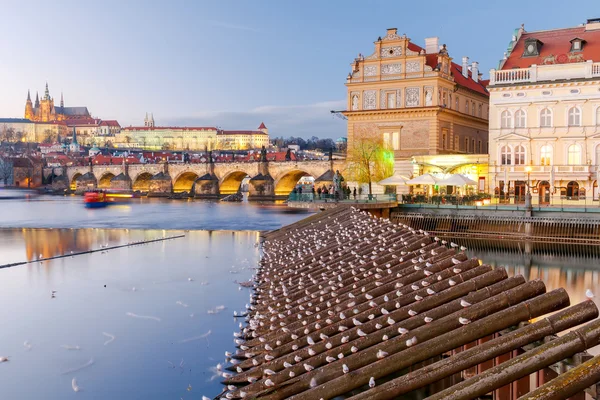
(263, 128)
(146, 120)
(151, 120)
(28, 107)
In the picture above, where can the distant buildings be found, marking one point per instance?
(151, 137)
(45, 111)
(545, 115)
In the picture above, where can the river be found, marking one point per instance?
(152, 320)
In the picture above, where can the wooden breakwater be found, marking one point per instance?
(350, 305)
(557, 235)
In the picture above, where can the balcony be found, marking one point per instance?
(545, 73)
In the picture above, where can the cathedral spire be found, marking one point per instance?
(37, 100)
(62, 102)
(28, 95)
(47, 93)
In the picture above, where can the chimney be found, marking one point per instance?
(592, 24)
(465, 67)
(432, 45)
(475, 71)
(392, 31)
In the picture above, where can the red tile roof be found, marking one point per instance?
(555, 42)
(110, 122)
(82, 122)
(241, 133)
(262, 126)
(455, 71)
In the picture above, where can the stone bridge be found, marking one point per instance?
(268, 180)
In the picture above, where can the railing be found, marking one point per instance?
(547, 203)
(549, 72)
(330, 198)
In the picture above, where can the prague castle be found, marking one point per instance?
(45, 111)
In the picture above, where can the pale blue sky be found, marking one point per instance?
(236, 63)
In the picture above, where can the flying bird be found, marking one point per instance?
(589, 294)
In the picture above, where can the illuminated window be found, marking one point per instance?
(505, 119)
(396, 140)
(505, 155)
(466, 145)
(520, 119)
(546, 117)
(574, 155)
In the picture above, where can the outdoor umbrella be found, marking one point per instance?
(393, 180)
(457, 180)
(425, 179)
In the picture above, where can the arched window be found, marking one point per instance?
(574, 116)
(480, 113)
(574, 155)
(598, 116)
(546, 155)
(546, 117)
(505, 119)
(505, 155)
(466, 106)
(573, 190)
(520, 119)
(457, 103)
(520, 155)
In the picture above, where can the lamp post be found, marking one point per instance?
(528, 195)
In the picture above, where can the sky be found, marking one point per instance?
(234, 64)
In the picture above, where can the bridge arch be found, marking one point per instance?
(104, 182)
(184, 182)
(141, 182)
(231, 182)
(286, 182)
(73, 183)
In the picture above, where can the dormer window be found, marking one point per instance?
(532, 47)
(577, 44)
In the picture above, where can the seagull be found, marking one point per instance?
(418, 298)
(455, 261)
(412, 341)
(345, 369)
(361, 333)
(456, 270)
(589, 294)
(464, 321)
(74, 385)
(451, 282)
(412, 313)
(4, 359)
(430, 291)
(372, 382)
(356, 322)
(464, 303)
(330, 359)
(381, 354)
(269, 383)
(313, 383)
(308, 367)
(428, 319)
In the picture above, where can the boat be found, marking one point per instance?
(95, 199)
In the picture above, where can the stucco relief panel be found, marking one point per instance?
(369, 99)
(398, 98)
(412, 97)
(387, 69)
(413, 66)
(370, 70)
(391, 51)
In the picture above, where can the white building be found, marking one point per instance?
(545, 115)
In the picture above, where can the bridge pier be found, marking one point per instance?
(85, 182)
(262, 186)
(161, 184)
(207, 187)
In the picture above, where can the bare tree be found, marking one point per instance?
(49, 136)
(368, 158)
(6, 170)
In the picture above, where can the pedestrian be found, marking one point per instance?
(319, 193)
(312, 190)
(354, 192)
(299, 189)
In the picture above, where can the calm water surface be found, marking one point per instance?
(172, 353)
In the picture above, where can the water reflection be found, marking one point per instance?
(177, 281)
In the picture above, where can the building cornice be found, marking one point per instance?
(543, 85)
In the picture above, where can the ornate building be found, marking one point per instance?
(45, 111)
(151, 137)
(420, 101)
(545, 115)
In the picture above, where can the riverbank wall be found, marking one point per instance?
(348, 304)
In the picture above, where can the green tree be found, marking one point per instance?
(368, 158)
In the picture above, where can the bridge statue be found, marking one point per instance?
(337, 183)
(288, 155)
(331, 154)
(263, 154)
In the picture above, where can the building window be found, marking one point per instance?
(387, 140)
(466, 106)
(466, 145)
(473, 108)
(520, 119)
(546, 118)
(480, 112)
(457, 103)
(396, 140)
(520, 155)
(473, 146)
(573, 190)
(505, 155)
(391, 100)
(505, 119)
(479, 147)
(456, 142)
(574, 116)
(574, 155)
(444, 138)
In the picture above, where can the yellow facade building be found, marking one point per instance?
(151, 137)
(418, 100)
(545, 115)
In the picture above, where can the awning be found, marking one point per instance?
(425, 179)
(393, 180)
(457, 180)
